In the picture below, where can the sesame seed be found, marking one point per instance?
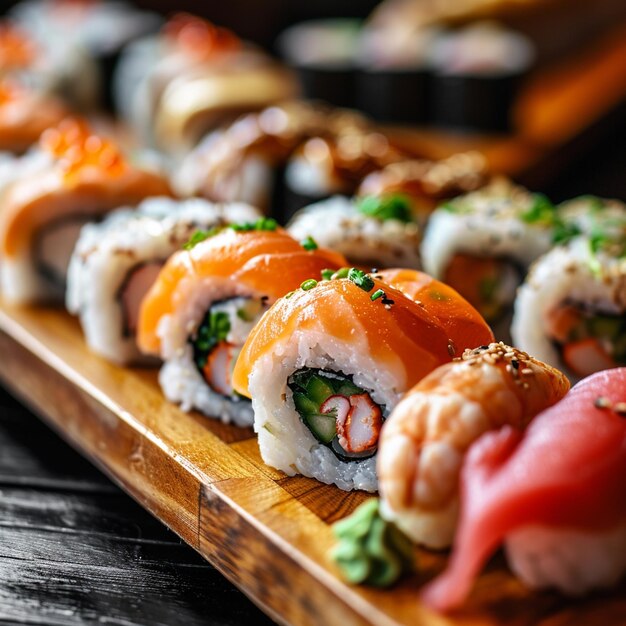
(527, 371)
(602, 402)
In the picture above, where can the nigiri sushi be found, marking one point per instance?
(554, 495)
(426, 437)
(42, 215)
(208, 297)
(326, 366)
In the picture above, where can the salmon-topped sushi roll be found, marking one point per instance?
(327, 365)
(41, 216)
(25, 114)
(426, 437)
(463, 323)
(116, 261)
(206, 300)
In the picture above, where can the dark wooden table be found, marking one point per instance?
(74, 549)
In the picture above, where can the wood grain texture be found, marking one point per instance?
(75, 550)
(267, 533)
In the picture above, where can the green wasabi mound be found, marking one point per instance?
(371, 550)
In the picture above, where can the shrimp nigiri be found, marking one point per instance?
(425, 439)
(555, 495)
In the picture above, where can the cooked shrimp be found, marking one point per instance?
(423, 443)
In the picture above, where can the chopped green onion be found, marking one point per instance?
(327, 274)
(308, 284)
(379, 293)
(360, 279)
(289, 295)
(391, 207)
(542, 211)
(342, 273)
(200, 236)
(263, 223)
(308, 243)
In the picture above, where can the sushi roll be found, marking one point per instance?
(87, 176)
(97, 30)
(25, 114)
(314, 150)
(554, 495)
(426, 184)
(176, 86)
(206, 300)
(571, 310)
(482, 244)
(463, 323)
(337, 161)
(323, 53)
(426, 438)
(371, 232)
(116, 261)
(327, 365)
(476, 71)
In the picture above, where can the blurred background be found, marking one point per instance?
(539, 86)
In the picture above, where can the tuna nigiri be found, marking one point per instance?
(425, 439)
(555, 495)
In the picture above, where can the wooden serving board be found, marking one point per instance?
(267, 533)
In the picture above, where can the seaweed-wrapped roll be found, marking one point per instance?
(482, 244)
(325, 367)
(116, 261)
(83, 177)
(374, 232)
(571, 310)
(206, 300)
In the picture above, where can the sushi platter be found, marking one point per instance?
(268, 533)
(370, 383)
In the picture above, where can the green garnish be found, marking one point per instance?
(564, 232)
(289, 295)
(341, 273)
(308, 284)
(360, 279)
(371, 550)
(201, 235)
(263, 223)
(391, 207)
(214, 328)
(308, 243)
(542, 211)
(327, 274)
(379, 293)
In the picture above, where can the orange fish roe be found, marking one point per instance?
(76, 147)
(200, 38)
(16, 49)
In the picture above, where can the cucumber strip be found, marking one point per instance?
(304, 406)
(323, 427)
(318, 390)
